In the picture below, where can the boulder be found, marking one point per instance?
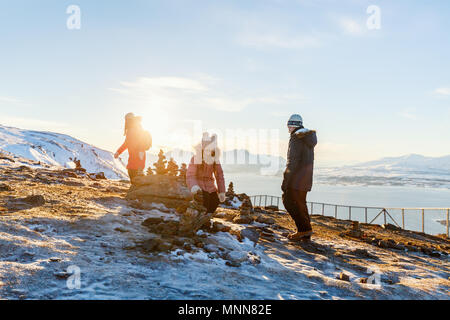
(193, 219)
(251, 234)
(243, 219)
(160, 189)
(391, 227)
(343, 277)
(266, 220)
(35, 200)
(152, 221)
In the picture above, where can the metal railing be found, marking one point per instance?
(388, 214)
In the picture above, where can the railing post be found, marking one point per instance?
(350, 213)
(336, 210)
(265, 201)
(423, 220)
(365, 213)
(323, 209)
(448, 214)
(312, 207)
(403, 219)
(384, 213)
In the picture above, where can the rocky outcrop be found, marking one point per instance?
(160, 189)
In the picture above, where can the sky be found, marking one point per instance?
(372, 81)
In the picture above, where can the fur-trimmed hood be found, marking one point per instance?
(308, 136)
(209, 153)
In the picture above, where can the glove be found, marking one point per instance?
(222, 197)
(116, 155)
(195, 189)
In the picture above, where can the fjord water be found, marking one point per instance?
(370, 196)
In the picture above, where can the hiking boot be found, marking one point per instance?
(300, 236)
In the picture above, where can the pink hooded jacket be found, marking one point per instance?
(205, 173)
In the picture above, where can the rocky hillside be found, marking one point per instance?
(121, 243)
(57, 150)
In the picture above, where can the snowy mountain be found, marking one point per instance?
(413, 169)
(59, 150)
(412, 163)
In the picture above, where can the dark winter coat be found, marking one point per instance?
(300, 160)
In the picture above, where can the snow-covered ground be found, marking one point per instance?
(41, 253)
(59, 150)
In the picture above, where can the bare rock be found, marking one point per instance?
(251, 234)
(35, 200)
(266, 220)
(152, 221)
(243, 219)
(159, 186)
(343, 277)
(5, 187)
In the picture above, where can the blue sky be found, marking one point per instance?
(233, 65)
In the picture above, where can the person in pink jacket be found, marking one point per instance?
(205, 173)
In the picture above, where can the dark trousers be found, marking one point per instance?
(134, 173)
(295, 203)
(210, 201)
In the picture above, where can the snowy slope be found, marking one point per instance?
(58, 149)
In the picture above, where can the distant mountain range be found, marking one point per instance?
(58, 150)
(413, 170)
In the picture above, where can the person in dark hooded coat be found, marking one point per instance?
(298, 176)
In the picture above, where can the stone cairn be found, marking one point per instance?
(160, 165)
(182, 173)
(164, 185)
(172, 168)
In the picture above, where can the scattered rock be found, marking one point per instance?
(152, 221)
(35, 200)
(5, 187)
(151, 244)
(344, 277)
(233, 264)
(226, 215)
(254, 258)
(251, 234)
(243, 219)
(391, 227)
(62, 275)
(266, 220)
(55, 259)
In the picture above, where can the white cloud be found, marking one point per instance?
(442, 91)
(351, 26)
(169, 92)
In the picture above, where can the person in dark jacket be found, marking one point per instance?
(298, 176)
